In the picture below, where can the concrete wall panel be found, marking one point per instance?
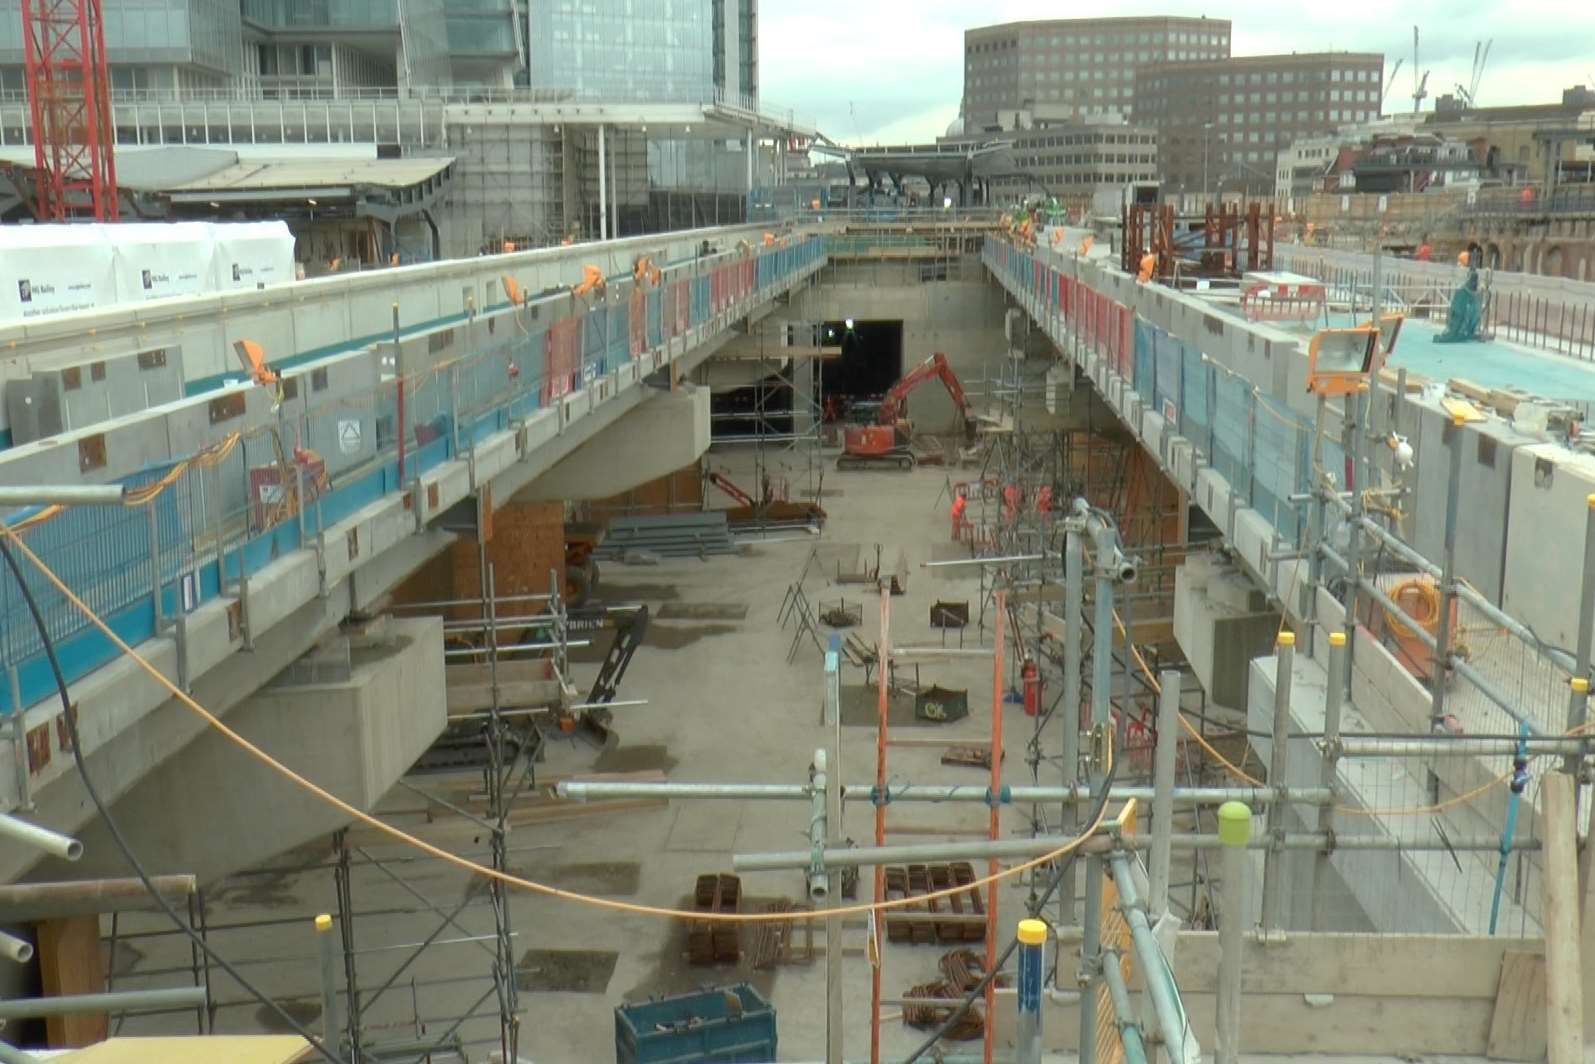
(1545, 539)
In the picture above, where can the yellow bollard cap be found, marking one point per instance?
(323, 922)
(1337, 639)
(1579, 684)
(1589, 500)
(1287, 639)
(1032, 932)
(1234, 824)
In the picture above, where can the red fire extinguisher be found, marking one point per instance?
(1030, 679)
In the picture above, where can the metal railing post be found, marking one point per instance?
(327, 947)
(1331, 758)
(1090, 959)
(1234, 829)
(1440, 664)
(1032, 935)
(1168, 730)
(1073, 627)
(1353, 545)
(1278, 770)
(155, 565)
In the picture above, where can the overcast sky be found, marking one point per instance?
(869, 72)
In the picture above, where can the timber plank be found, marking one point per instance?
(1517, 1025)
(1413, 966)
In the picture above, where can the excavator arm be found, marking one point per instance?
(727, 485)
(936, 366)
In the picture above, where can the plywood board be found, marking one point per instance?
(1517, 1024)
(70, 963)
(261, 1049)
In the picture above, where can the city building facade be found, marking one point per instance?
(1071, 163)
(1222, 124)
(282, 80)
(1074, 69)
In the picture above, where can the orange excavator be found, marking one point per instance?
(886, 443)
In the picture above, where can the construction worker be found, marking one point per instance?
(960, 504)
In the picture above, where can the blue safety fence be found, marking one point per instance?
(1254, 441)
(224, 514)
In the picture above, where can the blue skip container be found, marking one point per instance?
(701, 1026)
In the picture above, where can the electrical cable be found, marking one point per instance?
(1035, 905)
(69, 714)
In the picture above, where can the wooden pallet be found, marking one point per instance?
(714, 941)
(914, 880)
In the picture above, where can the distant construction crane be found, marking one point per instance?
(63, 47)
(1419, 85)
(1481, 55)
(1391, 80)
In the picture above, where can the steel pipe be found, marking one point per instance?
(1235, 824)
(40, 838)
(180, 997)
(26, 902)
(1123, 1010)
(1032, 935)
(16, 949)
(487, 651)
(1328, 769)
(327, 950)
(14, 495)
(583, 790)
(1036, 846)
(1073, 636)
(1278, 772)
(1164, 758)
(819, 882)
(1165, 996)
(952, 563)
(1456, 746)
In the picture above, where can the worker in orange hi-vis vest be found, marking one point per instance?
(960, 503)
(1148, 265)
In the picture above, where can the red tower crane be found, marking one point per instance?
(63, 44)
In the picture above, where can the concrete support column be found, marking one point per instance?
(750, 160)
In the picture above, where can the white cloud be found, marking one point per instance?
(877, 73)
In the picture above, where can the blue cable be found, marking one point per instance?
(1520, 780)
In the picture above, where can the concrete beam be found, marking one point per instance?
(665, 432)
(200, 811)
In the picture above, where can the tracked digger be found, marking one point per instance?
(886, 443)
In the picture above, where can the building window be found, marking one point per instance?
(1334, 75)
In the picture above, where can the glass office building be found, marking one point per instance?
(641, 50)
(151, 44)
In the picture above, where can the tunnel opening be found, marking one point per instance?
(871, 362)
